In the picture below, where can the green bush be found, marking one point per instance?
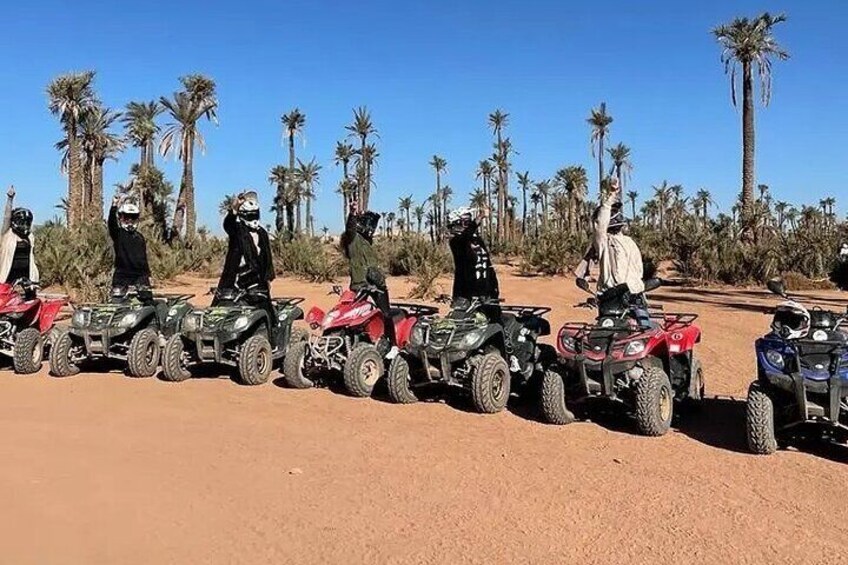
(552, 253)
(307, 258)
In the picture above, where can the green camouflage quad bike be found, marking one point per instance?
(234, 333)
(131, 327)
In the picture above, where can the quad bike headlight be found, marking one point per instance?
(775, 358)
(129, 320)
(80, 319)
(191, 323)
(417, 336)
(567, 343)
(634, 348)
(241, 323)
(471, 339)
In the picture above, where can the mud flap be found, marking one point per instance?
(608, 379)
(580, 361)
(834, 396)
(447, 375)
(800, 396)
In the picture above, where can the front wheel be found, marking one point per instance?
(255, 360)
(398, 382)
(363, 369)
(654, 402)
(63, 356)
(759, 421)
(554, 410)
(29, 351)
(143, 355)
(490, 384)
(175, 360)
(294, 365)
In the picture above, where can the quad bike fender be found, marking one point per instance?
(47, 316)
(375, 327)
(403, 330)
(683, 340)
(492, 336)
(315, 317)
(256, 320)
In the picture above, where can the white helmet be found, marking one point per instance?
(128, 214)
(791, 320)
(248, 212)
(461, 219)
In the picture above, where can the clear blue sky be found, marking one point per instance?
(430, 72)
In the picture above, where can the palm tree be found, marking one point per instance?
(141, 129)
(600, 122)
(440, 166)
(543, 189)
(575, 182)
(389, 224)
(498, 120)
(632, 196)
(484, 172)
(283, 207)
(98, 145)
(197, 100)
(293, 124)
(662, 197)
(419, 215)
(308, 175)
(703, 200)
(342, 156)
(447, 193)
(361, 128)
(748, 43)
(535, 199)
(69, 96)
(621, 165)
(405, 206)
(524, 182)
(780, 208)
(226, 204)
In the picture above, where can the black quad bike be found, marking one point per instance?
(801, 391)
(235, 333)
(644, 362)
(481, 346)
(131, 328)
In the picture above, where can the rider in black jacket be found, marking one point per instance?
(131, 266)
(474, 274)
(248, 264)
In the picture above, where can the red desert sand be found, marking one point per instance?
(101, 468)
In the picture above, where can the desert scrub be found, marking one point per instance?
(307, 258)
(552, 253)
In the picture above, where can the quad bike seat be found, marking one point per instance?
(397, 314)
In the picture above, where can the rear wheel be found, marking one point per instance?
(554, 410)
(654, 402)
(363, 369)
(398, 382)
(29, 351)
(63, 354)
(175, 360)
(255, 360)
(294, 365)
(759, 421)
(490, 383)
(144, 353)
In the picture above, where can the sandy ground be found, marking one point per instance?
(100, 468)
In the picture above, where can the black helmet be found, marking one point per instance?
(366, 223)
(617, 219)
(21, 222)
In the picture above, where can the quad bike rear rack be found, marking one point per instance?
(523, 311)
(415, 310)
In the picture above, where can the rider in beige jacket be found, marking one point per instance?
(618, 257)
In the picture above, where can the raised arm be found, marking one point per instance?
(7, 213)
(112, 222)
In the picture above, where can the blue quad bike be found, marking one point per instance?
(801, 391)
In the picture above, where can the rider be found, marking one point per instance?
(131, 266)
(618, 257)
(17, 260)
(249, 264)
(474, 274)
(357, 245)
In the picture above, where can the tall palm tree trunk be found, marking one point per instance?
(96, 204)
(75, 178)
(292, 180)
(601, 165)
(747, 144)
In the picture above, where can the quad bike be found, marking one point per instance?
(644, 361)
(26, 324)
(801, 391)
(131, 328)
(233, 333)
(481, 346)
(351, 341)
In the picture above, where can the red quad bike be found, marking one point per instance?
(25, 323)
(646, 365)
(351, 340)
